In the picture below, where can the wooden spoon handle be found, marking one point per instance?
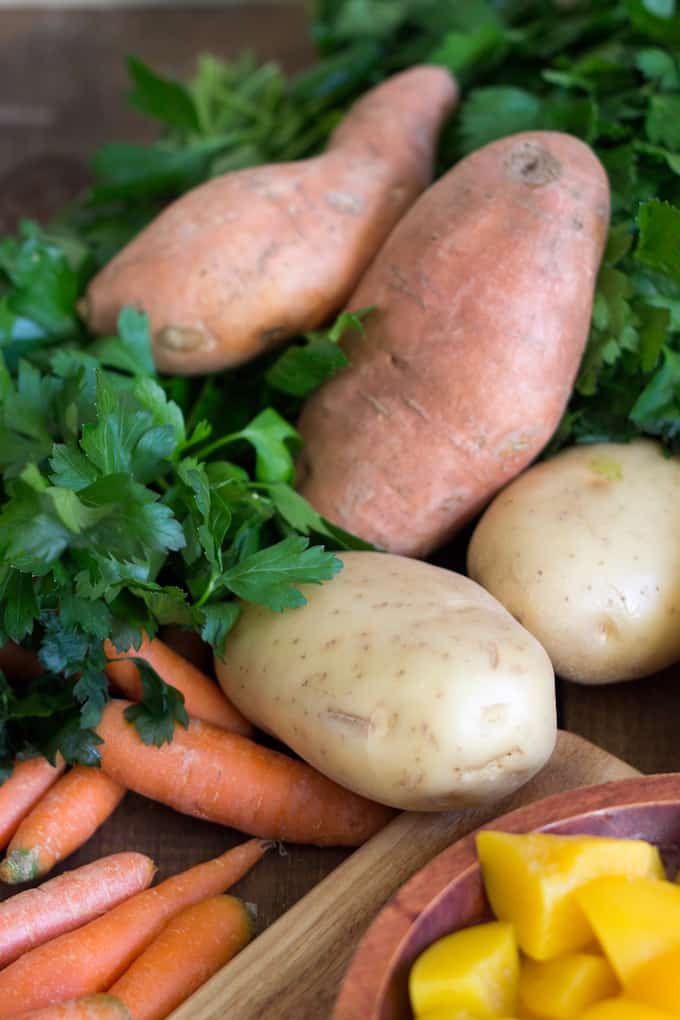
(294, 969)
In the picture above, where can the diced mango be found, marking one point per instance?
(657, 982)
(451, 1013)
(475, 969)
(562, 988)
(622, 1008)
(635, 919)
(530, 879)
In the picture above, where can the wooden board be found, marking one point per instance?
(294, 970)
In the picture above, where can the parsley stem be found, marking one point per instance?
(208, 450)
(209, 589)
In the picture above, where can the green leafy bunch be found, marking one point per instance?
(609, 73)
(120, 512)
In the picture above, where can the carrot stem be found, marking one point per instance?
(62, 820)
(37, 915)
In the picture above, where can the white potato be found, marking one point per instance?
(584, 550)
(402, 681)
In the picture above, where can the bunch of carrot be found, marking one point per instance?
(212, 769)
(101, 928)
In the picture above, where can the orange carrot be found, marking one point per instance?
(69, 901)
(60, 822)
(228, 779)
(91, 1007)
(91, 958)
(189, 950)
(203, 698)
(24, 788)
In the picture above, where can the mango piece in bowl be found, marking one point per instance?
(635, 919)
(657, 983)
(475, 969)
(622, 1008)
(562, 988)
(530, 880)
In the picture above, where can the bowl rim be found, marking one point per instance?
(371, 965)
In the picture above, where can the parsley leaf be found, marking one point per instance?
(270, 576)
(161, 708)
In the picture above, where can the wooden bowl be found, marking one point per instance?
(448, 894)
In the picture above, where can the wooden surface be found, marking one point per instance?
(448, 893)
(294, 970)
(62, 90)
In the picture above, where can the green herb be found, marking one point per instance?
(130, 501)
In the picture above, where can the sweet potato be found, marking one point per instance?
(484, 294)
(250, 258)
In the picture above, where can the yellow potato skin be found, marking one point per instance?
(622, 1008)
(531, 879)
(562, 988)
(634, 919)
(475, 969)
(584, 550)
(400, 680)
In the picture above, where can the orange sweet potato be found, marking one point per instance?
(484, 295)
(250, 258)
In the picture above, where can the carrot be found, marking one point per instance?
(228, 779)
(69, 901)
(203, 699)
(60, 822)
(189, 950)
(91, 958)
(91, 1007)
(24, 788)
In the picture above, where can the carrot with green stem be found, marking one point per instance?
(30, 779)
(189, 950)
(90, 959)
(228, 779)
(60, 822)
(90, 1007)
(203, 698)
(37, 915)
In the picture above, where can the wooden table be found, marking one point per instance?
(62, 86)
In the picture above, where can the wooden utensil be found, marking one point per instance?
(294, 969)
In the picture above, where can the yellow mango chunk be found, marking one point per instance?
(562, 988)
(657, 982)
(530, 879)
(634, 919)
(475, 969)
(622, 1008)
(451, 1013)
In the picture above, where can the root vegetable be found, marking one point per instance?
(225, 778)
(483, 296)
(255, 256)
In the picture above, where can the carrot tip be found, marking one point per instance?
(19, 866)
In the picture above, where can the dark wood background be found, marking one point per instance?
(62, 92)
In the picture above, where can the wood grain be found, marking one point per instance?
(448, 893)
(294, 969)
